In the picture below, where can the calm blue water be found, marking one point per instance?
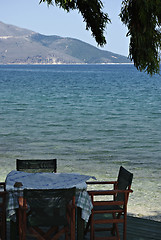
(92, 118)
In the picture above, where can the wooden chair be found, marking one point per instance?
(36, 165)
(31, 165)
(47, 214)
(2, 211)
(108, 213)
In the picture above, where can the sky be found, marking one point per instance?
(52, 20)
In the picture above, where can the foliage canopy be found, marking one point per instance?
(92, 13)
(142, 18)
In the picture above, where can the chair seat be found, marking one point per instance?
(107, 207)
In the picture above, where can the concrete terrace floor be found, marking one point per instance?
(140, 229)
(137, 229)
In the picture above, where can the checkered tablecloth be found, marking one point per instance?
(48, 181)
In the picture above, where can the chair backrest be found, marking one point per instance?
(34, 165)
(48, 202)
(124, 182)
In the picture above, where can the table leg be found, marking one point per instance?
(80, 225)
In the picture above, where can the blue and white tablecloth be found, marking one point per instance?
(49, 181)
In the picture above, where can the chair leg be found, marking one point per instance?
(4, 230)
(114, 225)
(124, 227)
(22, 225)
(115, 230)
(72, 225)
(3, 226)
(66, 236)
(92, 227)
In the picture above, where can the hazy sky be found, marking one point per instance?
(54, 21)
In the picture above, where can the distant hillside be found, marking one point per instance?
(22, 46)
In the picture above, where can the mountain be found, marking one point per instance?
(22, 46)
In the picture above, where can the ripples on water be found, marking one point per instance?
(92, 118)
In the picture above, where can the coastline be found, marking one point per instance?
(70, 64)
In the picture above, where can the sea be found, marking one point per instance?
(91, 118)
